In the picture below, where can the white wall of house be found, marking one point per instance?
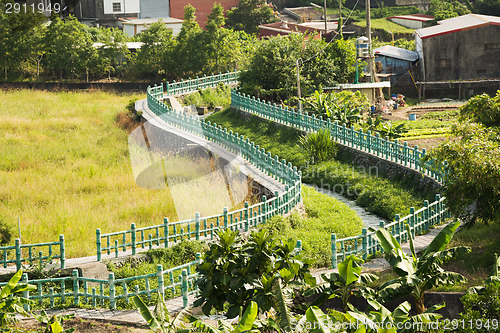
(134, 29)
(412, 24)
(121, 6)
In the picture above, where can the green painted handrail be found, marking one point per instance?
(33, 253)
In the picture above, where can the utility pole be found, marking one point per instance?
(369, 36)
(298, 84)
(340, 23)
(326, 24)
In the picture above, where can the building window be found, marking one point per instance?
(445, 63)
(492, 46)
(117, 7)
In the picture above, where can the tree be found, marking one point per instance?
(444, 9)
(271, 72)
(154, 58)
(249, 14)
(472, 185)
(189, 56)
(71, 50)
(114, 54)
(15, 31)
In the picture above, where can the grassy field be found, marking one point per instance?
(65, 169)
(384, 24)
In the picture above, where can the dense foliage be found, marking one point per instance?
(239, 272)
(472, 186)
(67, 49)
(272, 72)
(249, 14)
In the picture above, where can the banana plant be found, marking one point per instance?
(11, 303)
(54, 323)
(245, 324)
(391, 131)
(159, 320)
(343, 283)
(380, 319)
(416, 275)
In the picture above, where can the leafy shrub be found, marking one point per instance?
(178, 254)
(237, 272)
(481, 311)
(133, 114)
(482, 109)
(319, 146)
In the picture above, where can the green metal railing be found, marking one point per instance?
(393, 151)
(204, 227)
(367, 243)
(190, 85)
(33, 253)
(77, 290)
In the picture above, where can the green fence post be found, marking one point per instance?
(264, 199)
(134, 244)
(62, 250)
(26, 293)
(76, 288)
(98, 243)
(364, 243)
(197, 225)
(398, 229)
(18, 254)
(159, 269)
(426, 215)
(225, 217)
(412, 221)
(334, 250)
(438, 209)
(184, 288)
(111, 281)
(165, 231)
(246, 216)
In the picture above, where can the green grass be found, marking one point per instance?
(324, 216)
(65, 169)
(384, 24)
(379, 195)
(484, 241)
(428, 126)
(211, 97)
(278, 140)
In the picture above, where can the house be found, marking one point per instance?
(135, 26)
(203, 8)
(415, 21)
(394, 60)
(461, 48)
(104, 13)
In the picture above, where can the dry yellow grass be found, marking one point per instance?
(65, 169)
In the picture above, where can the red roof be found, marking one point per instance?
(460, 23)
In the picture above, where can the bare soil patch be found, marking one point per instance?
(84, 325)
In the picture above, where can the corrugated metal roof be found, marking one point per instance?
(153, 20)
(416, 17)
(385, 84)
(464, 22)
(396, 52)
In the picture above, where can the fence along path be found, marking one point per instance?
(180, 280)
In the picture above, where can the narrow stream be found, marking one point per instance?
(369, 219)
